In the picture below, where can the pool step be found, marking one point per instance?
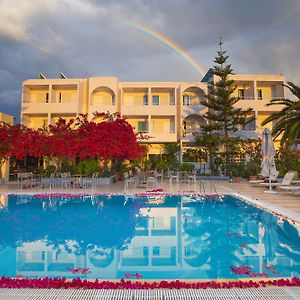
(271, 293)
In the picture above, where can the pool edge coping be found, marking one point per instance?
(272, 208)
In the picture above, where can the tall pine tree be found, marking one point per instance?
(223, 117)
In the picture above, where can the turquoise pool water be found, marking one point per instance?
(161, 237)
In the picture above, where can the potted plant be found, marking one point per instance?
(237, 171)
(252, 169)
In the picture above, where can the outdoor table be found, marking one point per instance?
(141, 179)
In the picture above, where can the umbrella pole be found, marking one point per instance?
(270, 191)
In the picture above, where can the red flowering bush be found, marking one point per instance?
(113, 138)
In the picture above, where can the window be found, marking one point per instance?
(186, 100)
(47, 97)
(113, 100)
(241, 93)
(172, 125)
(145, 99)
(259, 94)
(155, 100)
(172, 100)
(59, 97)
(156, 251)
(142, 126)
(145, 251)
(187, 251)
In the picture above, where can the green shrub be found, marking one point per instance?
(88, 167)
(237, 169)
(162, 165)
(252, 168)
(67, 168)
(287, 160)
(47, 172)
(105, 173)
(187, 167)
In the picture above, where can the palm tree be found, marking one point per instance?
(288, 119)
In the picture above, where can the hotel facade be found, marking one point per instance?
(166, 111)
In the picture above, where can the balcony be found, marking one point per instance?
(162, 137)
(257, 105)
(103, 99)
(102, 108)
(50, 107)
(140, 109)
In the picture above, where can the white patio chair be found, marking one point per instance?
(174, 175)
(192, 176)
(65, 180)
(151, 181)
(90, 181)
(159, 175)
(128, 180)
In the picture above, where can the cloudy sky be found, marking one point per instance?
(83, 38)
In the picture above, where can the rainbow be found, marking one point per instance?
(164, 40)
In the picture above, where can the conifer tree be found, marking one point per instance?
(223, 117)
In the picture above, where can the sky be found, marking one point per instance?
(127, 39)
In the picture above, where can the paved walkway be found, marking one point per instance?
(270, 293)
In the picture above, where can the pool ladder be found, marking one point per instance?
(212, 188)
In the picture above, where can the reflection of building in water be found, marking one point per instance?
(154, 248)
(169, 242)
(155, 245)
(38, 259)
(3, 201)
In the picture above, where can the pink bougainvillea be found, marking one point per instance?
(271, 268)
(244, 245)
(79, 271)
(77, 283)
(135, 275)
(246, 270)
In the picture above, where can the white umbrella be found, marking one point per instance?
(268, 161)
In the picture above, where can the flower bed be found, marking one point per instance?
(77, 283)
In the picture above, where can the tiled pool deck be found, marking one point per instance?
(281, 202)
(283, 293)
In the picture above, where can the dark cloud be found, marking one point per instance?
(95, 38)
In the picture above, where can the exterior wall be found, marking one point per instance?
(4, 172)
(167, 108)
(6, 118)
(49, 98)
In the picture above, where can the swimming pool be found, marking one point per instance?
(139, 237)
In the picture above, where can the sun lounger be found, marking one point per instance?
(257, 181)
(294, 189)
(290, 188)
(287, 180)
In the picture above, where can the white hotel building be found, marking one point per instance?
(166, 111)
